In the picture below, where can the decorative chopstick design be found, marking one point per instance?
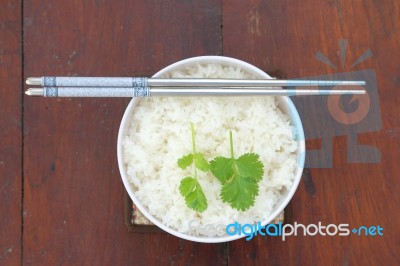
(146, 87)
(173, 82)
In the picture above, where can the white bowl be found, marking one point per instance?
(286, 106)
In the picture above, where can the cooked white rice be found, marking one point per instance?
(159, 134)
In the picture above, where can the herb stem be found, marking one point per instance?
(193, 140)
(194, 150)
(231, 143)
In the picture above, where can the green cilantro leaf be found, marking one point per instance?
(200, 162)
(240, 192)
(193, 193)
(190, 187)
(222, 168)
(249, 165)
(185, 161)
(239, 178)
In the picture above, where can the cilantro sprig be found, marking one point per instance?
(239, 178)
(190, 187)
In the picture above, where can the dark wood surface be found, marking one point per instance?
(10, 133)
(61, 196)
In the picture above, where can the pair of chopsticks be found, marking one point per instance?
(146, 87)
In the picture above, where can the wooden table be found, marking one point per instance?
(61, 196)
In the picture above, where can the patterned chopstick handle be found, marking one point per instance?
(96, 92)
(94, 82)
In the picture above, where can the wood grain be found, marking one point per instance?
(74, 200)
(287, 36)
(73, 195)
(10, 133)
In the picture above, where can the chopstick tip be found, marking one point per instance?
(34, 92)
(34, 81)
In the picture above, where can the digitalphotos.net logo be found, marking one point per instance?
(325, 117)
(283, 231)
(297, 229)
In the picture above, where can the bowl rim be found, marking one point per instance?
(295, 120)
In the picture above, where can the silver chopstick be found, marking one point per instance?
(173, 82)
(175, 91)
